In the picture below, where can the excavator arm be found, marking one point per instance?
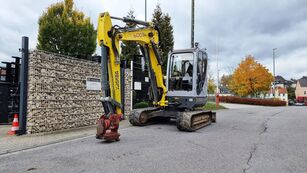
(109, 38)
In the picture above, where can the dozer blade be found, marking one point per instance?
(194, 120)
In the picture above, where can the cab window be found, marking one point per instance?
(181, 72)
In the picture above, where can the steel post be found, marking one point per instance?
(23, 86)
(122, 71)
(192, 23)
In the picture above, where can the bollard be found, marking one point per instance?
(217, 101)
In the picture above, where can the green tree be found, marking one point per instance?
(163, 22)
(129, 49)
(211, 86)
(291, 93)
(250, 78)
(225, 80)
(65, 30)
(211, 82)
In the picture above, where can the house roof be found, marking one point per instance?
(280, 90)
(280, 79)
(303, 81)
(293, 80)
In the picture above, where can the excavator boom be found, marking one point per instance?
(109, 37)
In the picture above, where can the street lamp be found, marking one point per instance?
(274, 49)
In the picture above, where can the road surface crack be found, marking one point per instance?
(264, 126)
(31, 169)
(265, 123)
(251, 154)
(255, 147)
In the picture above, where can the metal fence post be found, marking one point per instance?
(123, 85)
(23, 85)
(131, 87)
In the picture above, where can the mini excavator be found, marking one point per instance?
(177, 98)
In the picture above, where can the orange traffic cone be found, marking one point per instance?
(15, 126)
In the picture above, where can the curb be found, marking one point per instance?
(82, 136)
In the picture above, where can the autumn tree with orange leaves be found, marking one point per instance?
(250, 78)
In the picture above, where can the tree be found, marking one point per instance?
(291, 93)
(211, 82)
(65, 30)
(211, 86)
(225, 80)
(163, 22)
(250, 77)
(129, 49)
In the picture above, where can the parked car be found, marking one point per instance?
(299, 104)
(291, 103)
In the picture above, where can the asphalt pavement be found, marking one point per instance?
(13, 143)
(258, 139)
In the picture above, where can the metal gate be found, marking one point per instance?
(9, 92)
(4, 95)
(140, 83)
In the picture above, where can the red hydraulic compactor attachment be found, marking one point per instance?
(108, 127)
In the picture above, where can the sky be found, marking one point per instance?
(229, 30)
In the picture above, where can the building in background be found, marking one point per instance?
(278, 93)
(224, 91)
(283, 83)
(301, 90)
(293, 81)
(280, 89)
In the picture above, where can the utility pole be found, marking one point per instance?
(146, 10)
(274, 49)
(192, 23)
(217, 95)
(217, 71)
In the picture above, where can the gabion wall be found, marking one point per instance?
(57, 94)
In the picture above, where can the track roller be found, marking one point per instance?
(140, 117)
(194, 120)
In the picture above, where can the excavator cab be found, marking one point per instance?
(186, 80)
(186, 86)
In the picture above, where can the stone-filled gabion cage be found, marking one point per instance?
(58, 97)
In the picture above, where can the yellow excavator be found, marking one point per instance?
(184, 90)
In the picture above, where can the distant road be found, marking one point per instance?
(257, 139)
(239, 106)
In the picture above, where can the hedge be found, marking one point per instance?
(252, 101)
(140, 105)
